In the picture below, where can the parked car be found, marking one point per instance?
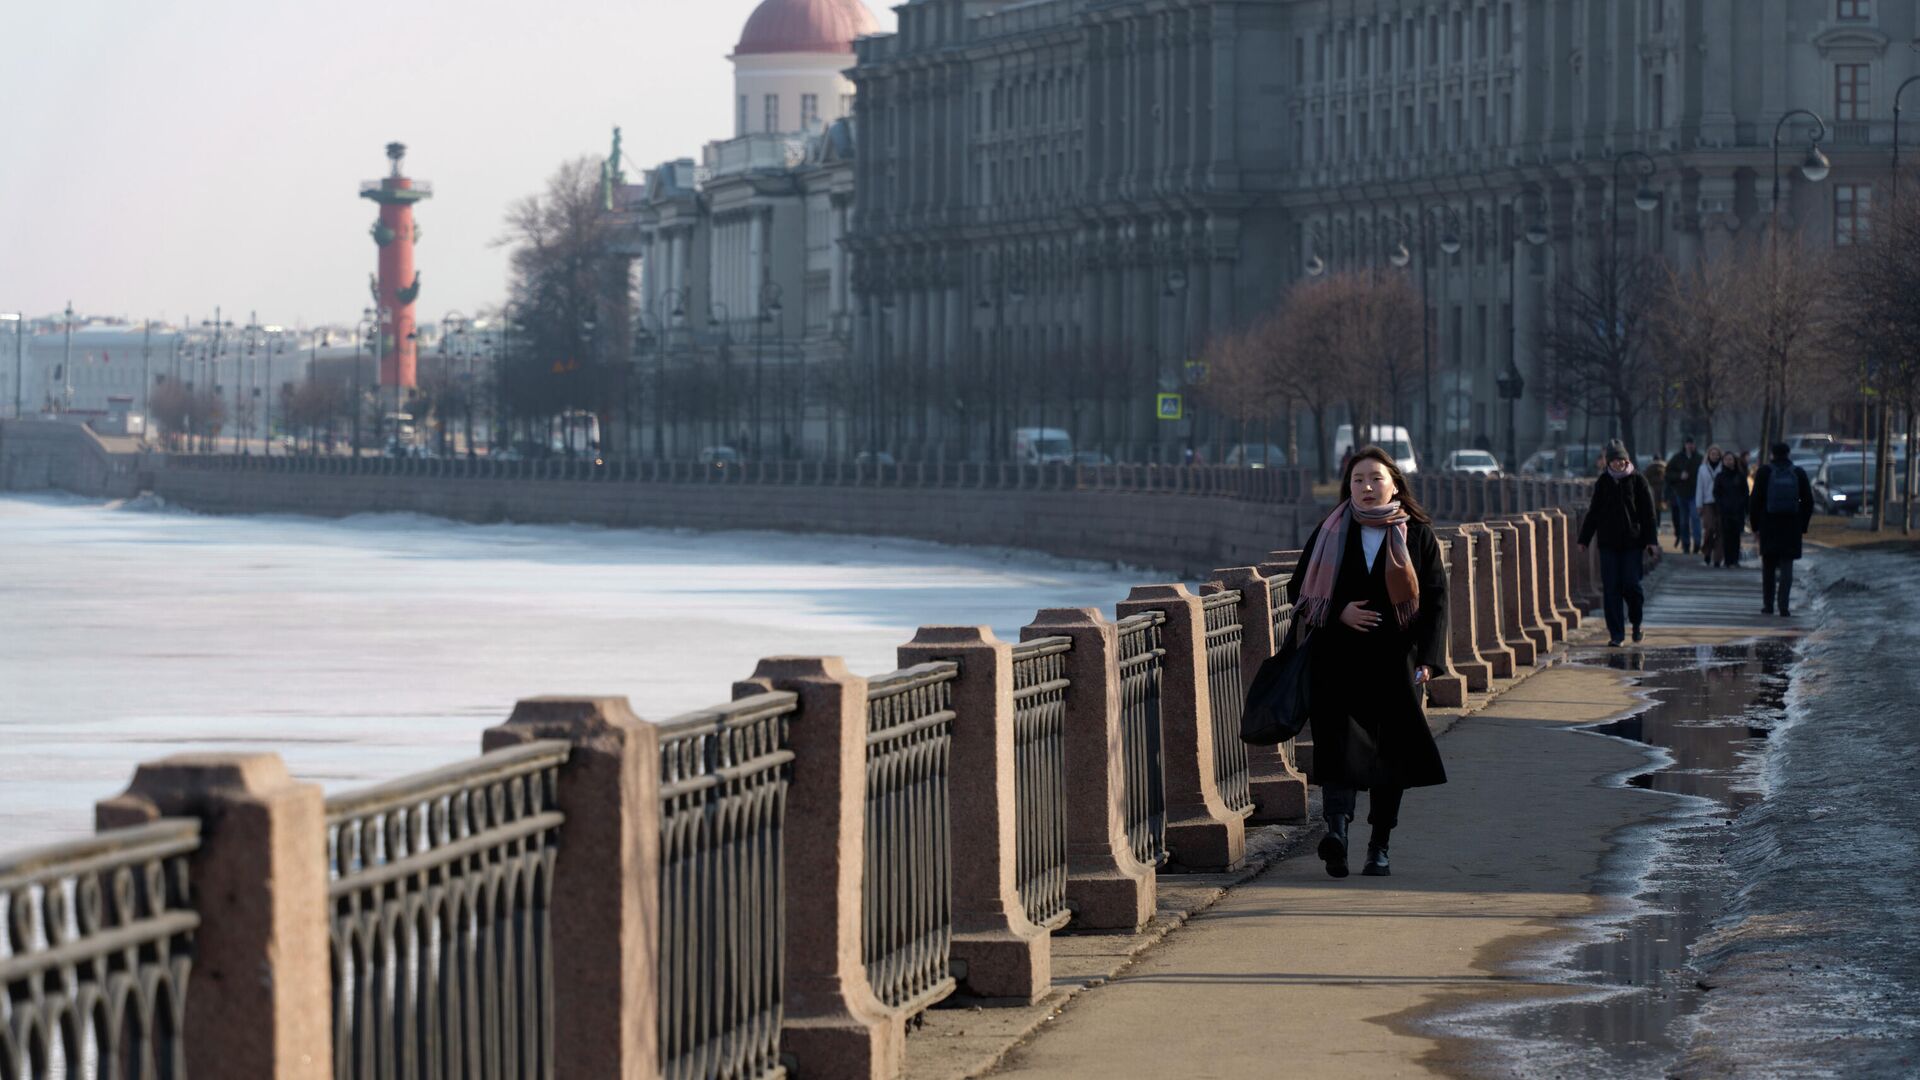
(1257, 455)
(1391, 438)
(719, 456)
(1815, 443)
(1840, 485)
(1042, 446)
(1572, 460)
(866, 457)
(1476, 462)
(1092, 457)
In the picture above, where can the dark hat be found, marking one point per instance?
(1616, 450)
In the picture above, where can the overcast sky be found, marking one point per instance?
(159, 157)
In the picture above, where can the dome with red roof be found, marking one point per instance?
(805, 26)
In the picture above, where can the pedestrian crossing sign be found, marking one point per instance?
(1169, 407)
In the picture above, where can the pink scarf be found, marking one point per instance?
(1323, 562)
(1623, 473)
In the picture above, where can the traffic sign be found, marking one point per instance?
(1169, 407)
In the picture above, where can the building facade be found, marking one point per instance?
(1079, 193)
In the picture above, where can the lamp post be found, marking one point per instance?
(1449, 241)
(1002, 289)
(1815, 167)
(18, 319)
(884, 307)
(1172, 288)
(66, 365)
(1645, 199)
(1316, 264)
(767, 307)
(1510, 383)
(675, 301)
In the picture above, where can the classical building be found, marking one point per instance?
(743, 292)
(1078, 193)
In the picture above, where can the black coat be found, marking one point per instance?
(1780, 533)
(1730, 497)
(1683, 470)
(1621, 514)
(1369, 729)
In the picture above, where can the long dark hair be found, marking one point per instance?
(1403, 491)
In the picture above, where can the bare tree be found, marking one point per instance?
(1783, 294)
(1696, 336)
(1880, 276)
(1597, 330)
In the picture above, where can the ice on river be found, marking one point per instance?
(375, 646)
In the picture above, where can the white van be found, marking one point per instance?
(1042, 446)
(1393, 439)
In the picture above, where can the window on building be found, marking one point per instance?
(1455, 131)
(1482, 43)
(1657, 105)
(809, 110)
(1340, 138)
(1386, 50)
(1503, 123)
(1409, 51)
(772, 113)
(1300, 58)
(1657, 14)
(1506, 29)
(1340, 55)
(1319, 139)
(1854, 10)
(1852, 209)
(1432, 141)
(1433, 39)
(740, 117)
(1299, 142)
(1320, 62)
(1406, 130)
(1366, 50)
(1459, 35)
(1480, 119)
(1850, 91)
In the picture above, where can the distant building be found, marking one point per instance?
(743, 277)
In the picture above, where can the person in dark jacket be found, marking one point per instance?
(1782, 509)
(1730, 505)
(1683, 471)
(1372, 589)
(1623, 517)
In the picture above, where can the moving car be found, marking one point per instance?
(1042, 446)
(1840, 485)
(1476, 462)
(719, 456)
(1092, 457)
(1391, 438)
(1257, 455)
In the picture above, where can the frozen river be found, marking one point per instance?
(375, 646)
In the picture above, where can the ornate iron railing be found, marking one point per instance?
(442, 934)
(1282, 623)
(1040, 777)
(723, 797)
(1141, 660)
(1227, 694)
(907, 890)
(97, 948)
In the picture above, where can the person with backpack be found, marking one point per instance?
(1730, 505)
(1782, 510)
(1683, 471)
(1622, 516)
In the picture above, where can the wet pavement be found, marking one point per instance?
(1710, 712)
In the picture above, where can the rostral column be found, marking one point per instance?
(398, 284)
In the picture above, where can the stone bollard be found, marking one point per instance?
(1542, 530)
(1527, 586)
(606, 882)
(1463, 638)
(261, 999)
(1448, 687)
(1563, 560)
(1107, 888)
(1489, 642)
(997, 952)
(1202, 834)
(834, 1024)
(1279, 791)
(1527, 649)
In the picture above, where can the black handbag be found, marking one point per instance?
(1276, 708)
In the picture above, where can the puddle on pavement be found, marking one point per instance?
(1711, 709)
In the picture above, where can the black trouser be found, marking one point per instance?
(1620, 589)
(1729, 539)
(1772, 566)
(1383, 805)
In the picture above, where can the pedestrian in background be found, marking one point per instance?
(1782, 510)
(1730, 505)
(1709, 513)
(1373, 590)
(1622, 517)
(1683, 476)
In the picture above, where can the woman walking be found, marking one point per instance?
(1372, 590)
(1622, 516)
(1709, 514)
(1730, 505)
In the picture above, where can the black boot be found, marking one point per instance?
(1333, 846)
(1377, 854)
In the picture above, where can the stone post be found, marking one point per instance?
(1562, 568)
(997, 952)
(1489, 642)
(1448, 687)
(1202, 834)
(1107, 888)
(1513, 608)
(835, 1025)
(1542, 541)
(1463, 638)
(606, 883)
(261, 1000)
(1531, 622)
(1279, 791)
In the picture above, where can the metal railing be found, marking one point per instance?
(1040, 777)
(1271, 485)
(1142, 659)
(94, 960)
(1282, 623)
(441, 928)
(723, 798)
(907, 886)
(1227, 694)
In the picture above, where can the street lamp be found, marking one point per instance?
(1814, 166)
(767, 308)
(1912, 79)
(1645, 199)
(1510, 383)
(675, 301)
(1450, 244)
(1316, 264)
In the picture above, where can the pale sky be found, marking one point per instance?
(158, 157)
